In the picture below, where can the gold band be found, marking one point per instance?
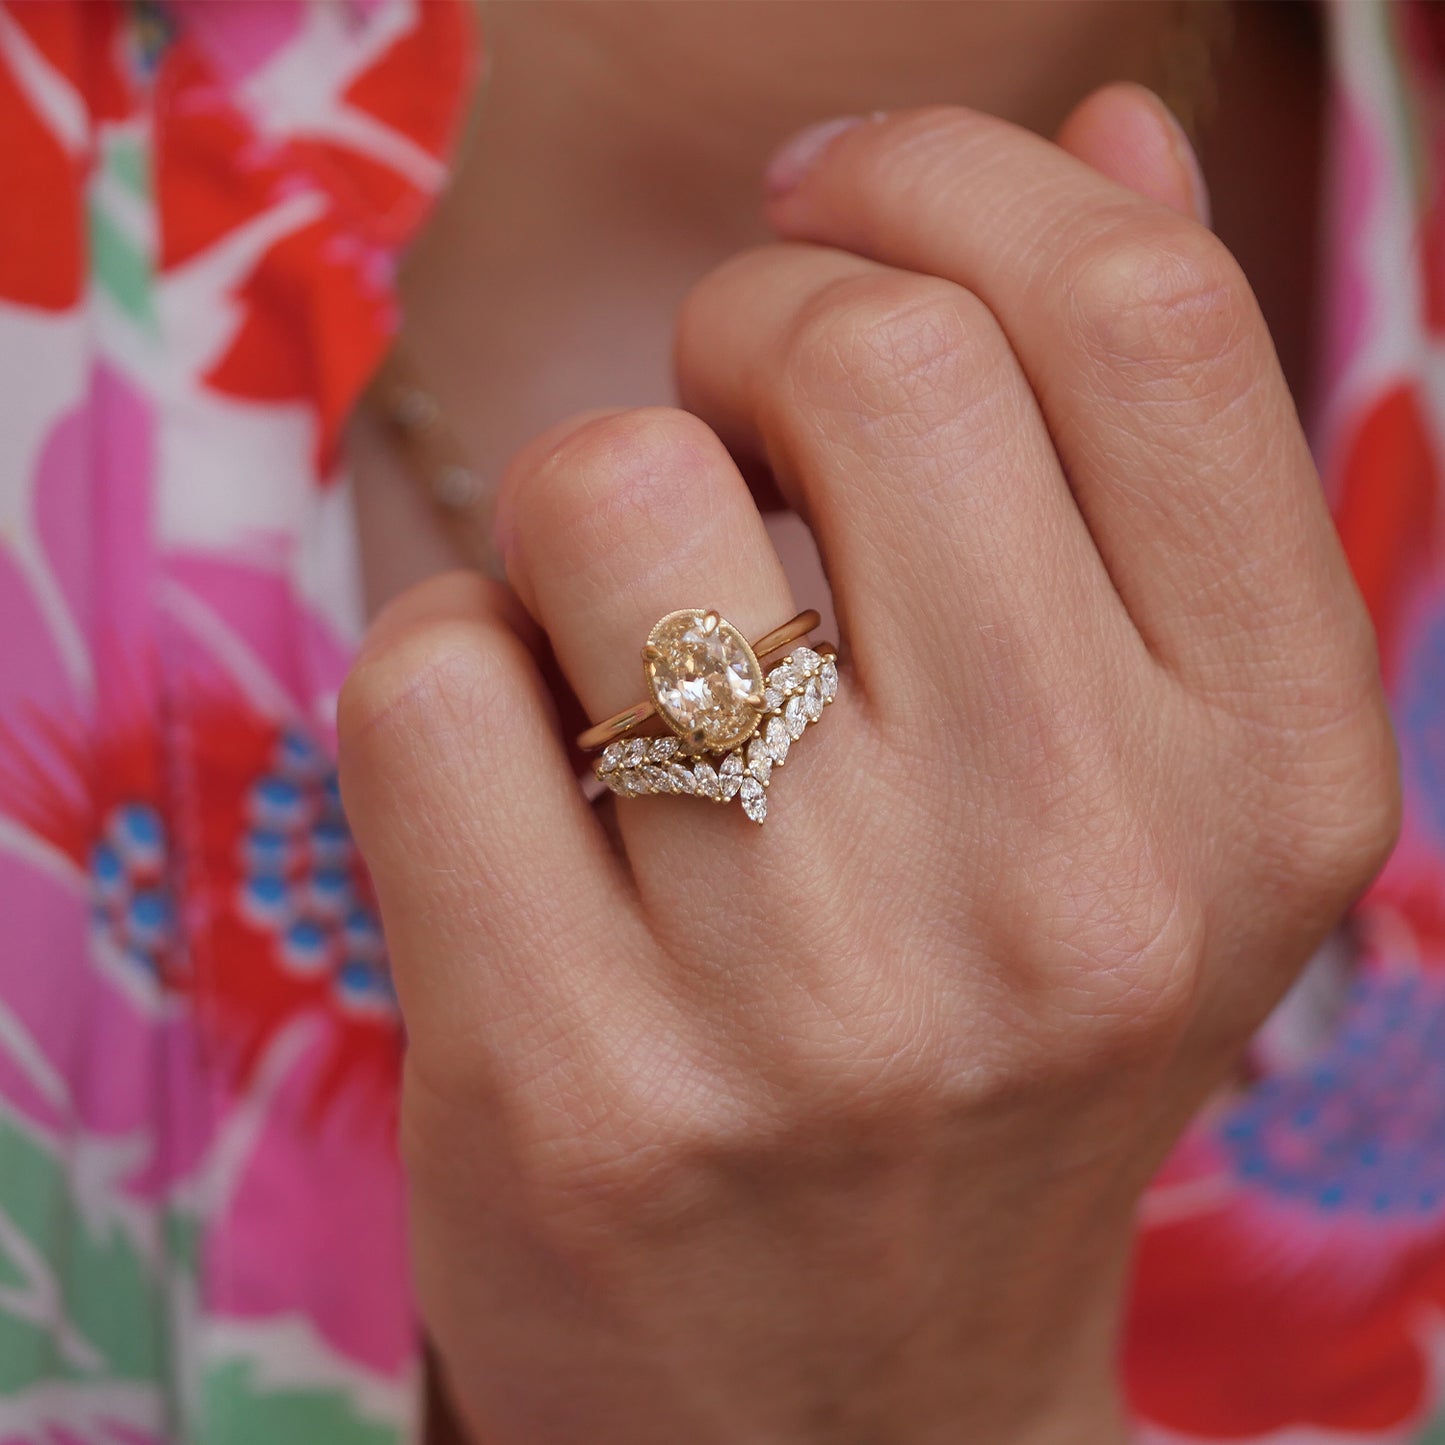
(622, 723)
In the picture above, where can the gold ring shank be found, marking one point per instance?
(622, 723)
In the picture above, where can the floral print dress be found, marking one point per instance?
(201, 1232)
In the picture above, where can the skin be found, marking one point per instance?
(592, 194)
(832, 1131)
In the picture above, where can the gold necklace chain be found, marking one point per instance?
(434, 457)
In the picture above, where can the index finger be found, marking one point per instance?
(1154, 370)
(501, 896)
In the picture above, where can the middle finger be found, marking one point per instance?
(899, 423)
(1157, 376)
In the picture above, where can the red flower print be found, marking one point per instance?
(59, 73)
(306, 202)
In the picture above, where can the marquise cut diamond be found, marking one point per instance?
(760, 760)
(707, 782)
(795, 717)
(755, 800)
(813, 700)
(730, 774)
(778, 739)
(783, 679)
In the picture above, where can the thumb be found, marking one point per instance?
(1130, 135)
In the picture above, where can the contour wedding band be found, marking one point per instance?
(709, 687)
(622, 723)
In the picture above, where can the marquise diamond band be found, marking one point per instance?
(793, 696)
(730, 720)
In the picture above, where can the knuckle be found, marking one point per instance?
(1334, 823)
(923, 156)
(715, 295)
(882, 345)
(427, 675)
(1156, 290)
(647, 435)
(1316, 765)
(590, 492)
(1131, 937)
(871, 1052)
(624, 1160)
(635, 1152)
(585, 1186)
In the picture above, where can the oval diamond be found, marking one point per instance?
(704, 678)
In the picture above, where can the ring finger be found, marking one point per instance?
(610, 523)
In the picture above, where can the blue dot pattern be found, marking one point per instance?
(131, 907)
(299, 872)
(1361, 1130)
(1422, 723)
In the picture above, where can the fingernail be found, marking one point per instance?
(800, 152)
(1184, 151)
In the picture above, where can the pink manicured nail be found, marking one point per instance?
(1184, 149)
(798, 154)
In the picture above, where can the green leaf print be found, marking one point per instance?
(237, 1410)
(78, 1299)
(121, 260)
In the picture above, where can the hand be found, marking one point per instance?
(831, 1130)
